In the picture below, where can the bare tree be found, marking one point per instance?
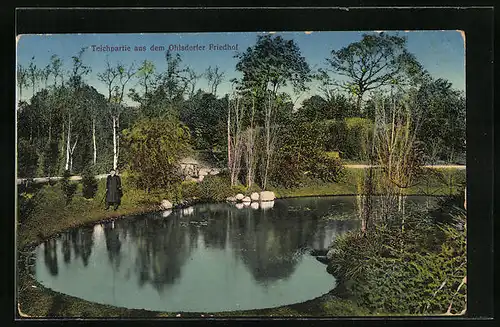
(214, 77)
(235, 137)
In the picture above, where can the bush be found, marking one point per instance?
(68, 188)
(358, 134)
(327, 169)
(215, 188)
(190, 189)
(89, 184)
(416, 271)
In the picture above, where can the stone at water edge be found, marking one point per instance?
(267, 196)
(330, 254)
(166, 213)
(266, 205)
(165, 205)
(239, 205)
(231, 199)
(239, 196)
(255, 196)
(246, 199)
(255, 205)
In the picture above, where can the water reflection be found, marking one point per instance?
(182, 250)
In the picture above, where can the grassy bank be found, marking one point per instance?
(49, 214)
(434, 182)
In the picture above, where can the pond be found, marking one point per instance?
(205, 258)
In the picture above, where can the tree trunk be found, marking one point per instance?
(94, 141)
(66, 167)
(115, 154)
(229, 163)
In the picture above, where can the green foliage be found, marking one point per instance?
(215, 188)
(154, 149)
(190, 189)
(415, 271)
(68, 187)
(273, 60)
(301, 156)
(89, 183)
(359, 133)
(27, 158)
(443, 129)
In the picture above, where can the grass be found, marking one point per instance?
(435, 182)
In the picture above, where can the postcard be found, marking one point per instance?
(242, 174)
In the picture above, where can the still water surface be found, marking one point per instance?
(206, 258)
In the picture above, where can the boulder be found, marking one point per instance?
(267, 196)
(330, 254)
(165, 204)
(239, 205)
(166, 213)
(239, 196)
(255, 205)
(246, 199)
(200, 178)
(266, 205)
(254, 196)
(231, 199)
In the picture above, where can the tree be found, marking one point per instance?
(155, 148)
(22, 79)
(116, 78)
(75, 104)
(56, 68)
(214, 77)
(443, 130)
(269, 65)
(33, 74)
(376, 61)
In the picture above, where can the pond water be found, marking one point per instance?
(205, 258)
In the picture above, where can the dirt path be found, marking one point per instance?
(77, 178)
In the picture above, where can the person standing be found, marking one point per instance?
(113, 190)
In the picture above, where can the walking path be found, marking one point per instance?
(38, 180)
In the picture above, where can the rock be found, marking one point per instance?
(239, 196)
(166, 213)
(246, 204)
(267, 196)
(323, 259)
(266, 205)
(254, 196)
(231, 199)
(246, 199)
(165, 205)
(330, 254)
(200, 178)
(187, 211)
(255, 205)
(239, 205)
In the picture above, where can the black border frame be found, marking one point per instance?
(476, 22)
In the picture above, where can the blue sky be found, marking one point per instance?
(442, 53)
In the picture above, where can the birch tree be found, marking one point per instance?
(22, 79)
(272, 63)
(214, 78)
(75, 82)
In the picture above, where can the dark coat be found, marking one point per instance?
(114, 189)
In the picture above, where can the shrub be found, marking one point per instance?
(190, 189)
(89, 184)
(215, 188)
(68, 187)
(327, 169)
(416, 271)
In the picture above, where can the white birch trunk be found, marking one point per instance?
(66, 167)
(115, 154)
(94, 140)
